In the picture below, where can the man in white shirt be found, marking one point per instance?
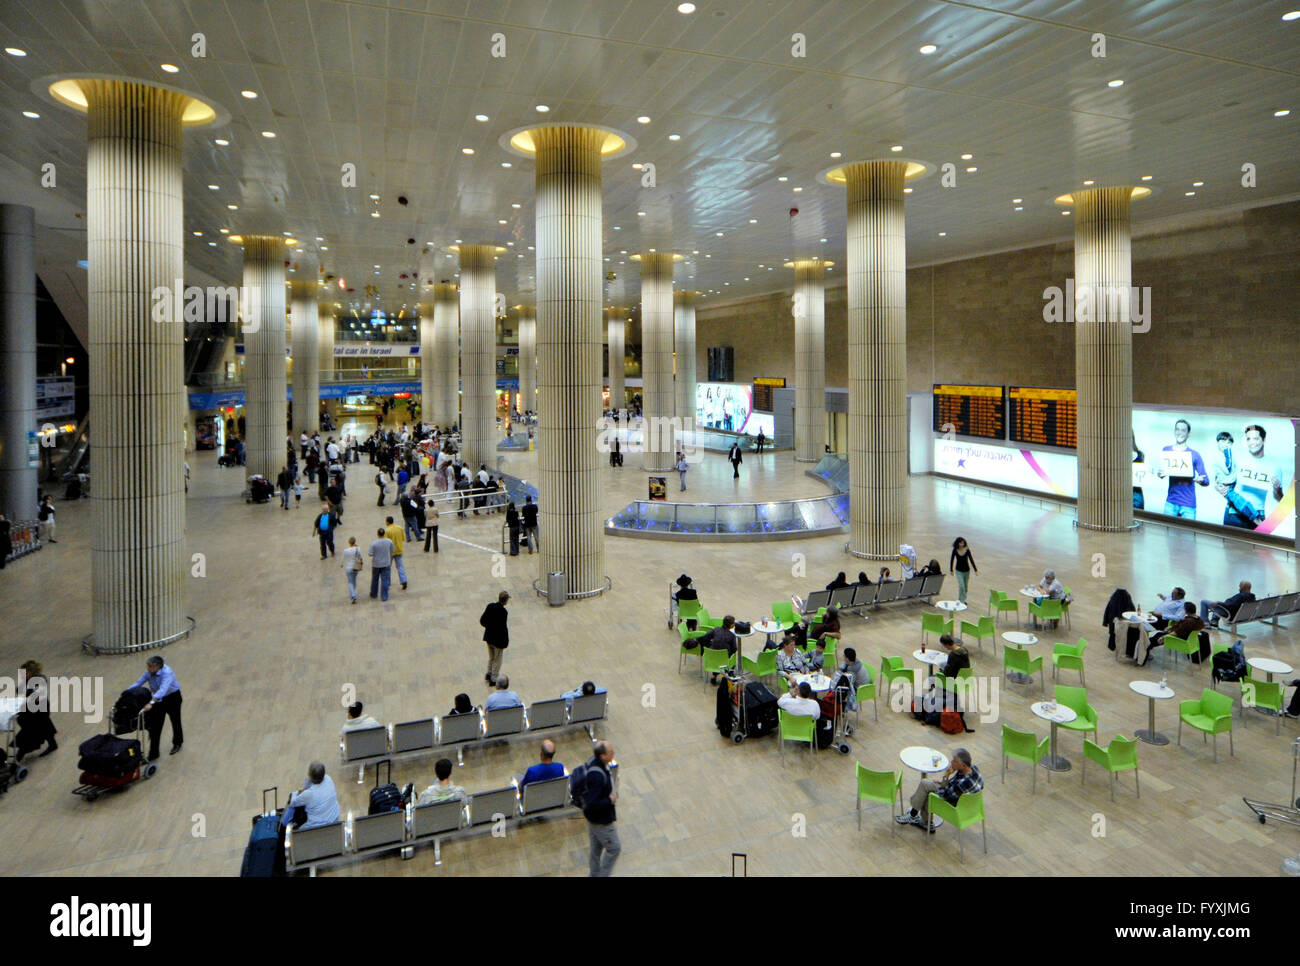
(1170, 608)
(318, 799)
(443, 790)
(304, 442)
(356, 719)
(332, 450)
(800, 701)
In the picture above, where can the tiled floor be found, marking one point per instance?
(278, 643)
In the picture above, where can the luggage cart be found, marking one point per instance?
(91, 790)
(843, 729)
(11, 772)
(1287, 814)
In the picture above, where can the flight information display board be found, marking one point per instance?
(970, 411)
(1044, 417)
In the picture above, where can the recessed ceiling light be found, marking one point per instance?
(1282, 113)
(823, 241)
(943, 234)
(214, 187)
(746, 278)
(510, 244)
(250, 95)
(972, 169)
(1020, 208)
(212, 244)
(895, 147)
(708, 256)
(967, 157)
(514, 204)
(1066, 212)
(233, 207)
(268, 134)
(30, 114)
(928, 49)
(617, 228)
(674, 137)
(640, 214)
(506, 164)
(374, 214)
(1016, 201)
(458, 241)
(542, 108)
(324, 248)
(170, 68)
(1147, 177)
(530, 248)
(637, 166)
(466, 150)
(1189, 193)
(643, 119)
(1115, 83)
(1089, 181)
(907, 191)
(224, 231)
(221, 141)
(783, 178)
(797, 189)
(197, 234)
(1289, 15)
(753, 221)
(501, 221)
(19, 52)
(718, 233)
(480, 117)
(690, 8)
(836, 154)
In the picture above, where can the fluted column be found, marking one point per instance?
(528, 357)
(265, 402)
(1103, 358)
(325, 324)
(135, 245)
(568, 349)
(877, 337)
(616, 329)
(809, 359)
(305, 332)
(684, 339)
(17, 360)
(478, 351)
(439, 365)
(657, 404)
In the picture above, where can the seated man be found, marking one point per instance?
(685, 592)
(1187, 627)
(357, 720)
(1049, 587)
(548, 767)
(1170, 609)
(316, 804)
(961, 778)
(587, 689)
(443, 790)
(790, 660)
(799, 700)
(1212, 610)
(853, 674)
(958, 656)
(502, 697)
(721, 639)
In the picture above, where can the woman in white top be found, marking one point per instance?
(352, 564)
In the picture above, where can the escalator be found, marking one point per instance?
(73, 461)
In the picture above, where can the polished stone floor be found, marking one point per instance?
(278, 644)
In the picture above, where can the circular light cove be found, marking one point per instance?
(250, 95)
(928, 49)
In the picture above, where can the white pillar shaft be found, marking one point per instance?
(478, 350)
(325, 341)
(305, 331)
(617, 352)
(17, 360)
(265, 405)
(527, 360)
(684, 339)
(657, 405)
(809, 360)
(134, 245)
(1103, 359)
(877, 338)
(568, 350)
(439, 365)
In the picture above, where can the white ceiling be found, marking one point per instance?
(393, 88)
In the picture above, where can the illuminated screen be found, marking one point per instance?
(730, 407)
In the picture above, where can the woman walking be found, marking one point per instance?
(961, 562)
(352, 564)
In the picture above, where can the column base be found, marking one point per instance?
(88, 644)
(1135, 525)
(574, 594)
(806, 459)
(869, 556)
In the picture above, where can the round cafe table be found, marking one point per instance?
(1270, 666)
(819, 683)
(1020, 639)
(953, 607)
(925, 760)
(769, 627)
(1154, 691)
(1058, 714)
(932, 657)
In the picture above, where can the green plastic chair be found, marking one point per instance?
(1179, 645)
(892, 669)
(1211, 715)
(716, 660)
(832, 645)
(763, 666)
(783, 612)
(866, 692)
(1262, 694)
(1070, 657)
(999, 603)
(1024, 746)
(794, 727)
(879, 786)
(1076, 699)
(1215, 649)
(688, 609)
(708, 623)
(961, 684)
(968, 810)
(1065, 605)
(689, 645)
(1048, 610)
(935, 624)
(984, 628)
(1120, 755)
(1018, 659)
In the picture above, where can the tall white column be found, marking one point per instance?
(325, 324)
(439, 355)
(17, 360)
(478, 351)
(305, 332)
(616, 329)
(528, 357)
(265, 403)
(809, 358)
(1103, 358)
(684, 338)
(657, 405)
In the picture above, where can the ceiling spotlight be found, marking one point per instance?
(250, 95)
(30, 114)
(221, 141)
(798, 189)
(19, 52)
(636, 166)
(718, 233)
(233, 207)
(480, 117)
(1066, 212)
(640, 214)
(753, 221)
(1115, 83)
(967, 157)
(466, 150)
(212, 244)
(907, 191)
(896, 147)
(1197, 184)
(224, 231)
(1147, 177)
(836, 154)
(1188, 194)
(268, 134)
(1016, 201)
(1020, 208)
(506, 164)
(643, 119)
(690, 8)
(1282, 113)
(823, 241)
(170, 68)
(1090, 181)
(783, 178)
(943, 234)
(928, 49)
(542, 108)
(514, 204)
(324, 248)
(197, 234)
(1289, 15)
(674, 137)
(501, 221)
(374, 214)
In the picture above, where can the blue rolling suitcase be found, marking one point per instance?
(264, 854)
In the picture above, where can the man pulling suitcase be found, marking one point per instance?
(166, 690)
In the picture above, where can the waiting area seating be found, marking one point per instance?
(858, 597)
(1264, 609)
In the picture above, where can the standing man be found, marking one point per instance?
(734, 456)
(431, 527)
(496, 635)
(681, 466)
(45, 517)
(394, 533)
(1258, 478)
(284, 481)
(334, 494)
(323, 528)
(598, 801)
(381, 564)
(530, 523)
(512, 523)
(1185, 469)
(759, 442)
(166, 703)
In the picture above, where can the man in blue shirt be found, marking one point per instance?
(1186, 471)
(502, 697)
(318, 800)
(166, 690)
(547, 768)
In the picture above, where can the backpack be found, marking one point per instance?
(324, 522)
(951, 723)
(1229, 666)
(379, 479)
(578, 786)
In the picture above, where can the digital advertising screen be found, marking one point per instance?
(970, 410)
(1025, 469)
(1043, 417)
(723, 405)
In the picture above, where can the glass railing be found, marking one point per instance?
(825, 514)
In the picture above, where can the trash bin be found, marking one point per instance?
(557, 587)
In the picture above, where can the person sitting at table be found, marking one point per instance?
(1170, 609)
(791, 660)
(721, 639)
(1049, 588)
(1120, 603)
(853, 674)
(799, 700)
(1212, 610)
(1185, 628)
(829, 624)
(961, 778)
(958, 656)
(838, 582)
(816, 655)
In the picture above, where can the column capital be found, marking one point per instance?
(844, 173)
(528, 140)
(80, 91)
(1080, 195)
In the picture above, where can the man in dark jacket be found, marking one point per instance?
(495, 635)
(284, 481)
(529, 514)
(599, 800)
(1212, 610)
(736, 459)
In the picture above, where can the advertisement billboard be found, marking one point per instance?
(730, 407)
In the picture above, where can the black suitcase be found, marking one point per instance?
(385, 797)
(1204, 652)
(760, 710)
(264, 854)
(127, 708)
(110, 756)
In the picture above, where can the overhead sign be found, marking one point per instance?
(376, 350)
(56, 396)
